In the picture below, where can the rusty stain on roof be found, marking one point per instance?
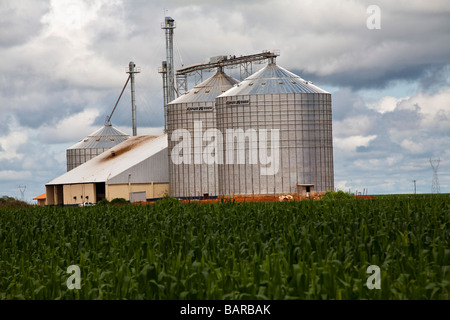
(126, 146)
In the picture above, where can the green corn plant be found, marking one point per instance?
(226, 250)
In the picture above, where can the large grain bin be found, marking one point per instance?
(189, 119)
(291, 120)
(93, 145)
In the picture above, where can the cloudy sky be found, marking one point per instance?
(62, 67)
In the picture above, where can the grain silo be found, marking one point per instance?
(93, 145)
(277, 135)
(191, 123)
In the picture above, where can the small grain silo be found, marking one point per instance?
(190, 120)
(277, 135)
(93, 145)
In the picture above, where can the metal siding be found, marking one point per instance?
(306, 147)
(195, 179)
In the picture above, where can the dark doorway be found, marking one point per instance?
(100, 191)
(304, 189)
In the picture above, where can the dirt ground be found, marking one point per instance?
(257, 198)
(267, 198)
(365, 197)
(260, 198)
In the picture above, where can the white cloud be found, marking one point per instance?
(67, 18)
(350, 144)
(413, 147)
(386, 104)
(10, 145)
(73, 128)
(434, 107)
(354, 125)
(14, 175)
(401, 136)
(66, 49)
(385, 163)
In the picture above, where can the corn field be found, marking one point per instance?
(269, 250)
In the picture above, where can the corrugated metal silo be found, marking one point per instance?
(190, 120)
(291, 120)
(93, 145)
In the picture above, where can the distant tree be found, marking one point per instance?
(103, 202)
(118, 202)
(10, 202)
(338, 195)
(5, 199)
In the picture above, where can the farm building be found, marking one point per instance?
(136, 169)
(267, 134)
(41, 199)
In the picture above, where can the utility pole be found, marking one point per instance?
(414, 186)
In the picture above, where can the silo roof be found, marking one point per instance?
(273, 79)
(105, 137)
(208, 90)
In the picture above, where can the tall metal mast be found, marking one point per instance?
(163, 71)
(167, 69)
(132, 70)
(169, 25)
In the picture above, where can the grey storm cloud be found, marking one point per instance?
(436, 77)
(378, 77)
(20, 20)
(42, 104)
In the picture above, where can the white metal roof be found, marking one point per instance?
(273, 79)
(104, 138)
(208, 90)
(133, 156)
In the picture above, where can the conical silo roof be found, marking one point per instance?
(273, 79)
(208, 90)
(104, 138)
